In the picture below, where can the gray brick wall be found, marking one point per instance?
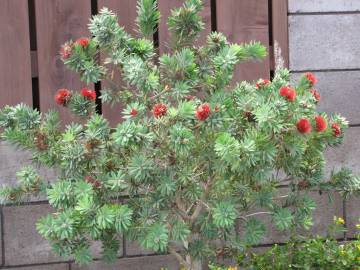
(323, 38)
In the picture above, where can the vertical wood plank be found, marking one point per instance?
(126, 12)
(245, 21)
(56, 22)
(165, 7)
(280, 27)
(15, 63)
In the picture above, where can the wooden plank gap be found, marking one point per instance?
(271, 56)
(34, 64)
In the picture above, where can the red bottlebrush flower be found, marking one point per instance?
(88, 94)
(65, 50)
(96, 184)
(203, 112)
(92, 181)
(62, 97)
(133, 112)
(262, 83)
(311, 78)
(291, 96)
(315, 94)
(336, 129)
(159, 110)
(303, 126)
(284, 91)
(288, 93)
(321, 123)
(83, 42)
(89, 179)
(189, 98)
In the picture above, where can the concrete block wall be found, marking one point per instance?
(323, 38)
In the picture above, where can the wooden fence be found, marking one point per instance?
(32, 31)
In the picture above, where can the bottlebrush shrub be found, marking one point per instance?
(194, 154)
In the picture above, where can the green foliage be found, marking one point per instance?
(128, 133)
(83, 61)
(29, 183)
(82, 254)
(227, 148)
(343, 181)
(304, 253)
(20, 116)
(202, 165)
(254, 231)
(314, 253)
(185, 23)
(282, 218)
(224, 214)
(156, 237)
(148, 17)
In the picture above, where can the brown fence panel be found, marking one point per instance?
(280, 27)
(244, 21)
(56, 22)
(126, 12)
(165, 7)
(15, 63)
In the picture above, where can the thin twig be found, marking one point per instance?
(258, 213)
(161, 93)
(199, 206)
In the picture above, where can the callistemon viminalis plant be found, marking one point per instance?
(197, 160)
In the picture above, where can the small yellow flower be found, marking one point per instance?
(358, 226)
(232, 268)
(339, 220)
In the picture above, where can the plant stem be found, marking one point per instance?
(258, 213)
(179, 257)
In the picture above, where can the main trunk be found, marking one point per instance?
(194, 264)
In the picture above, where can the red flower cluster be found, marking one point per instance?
(159, 110)
(303, 126)
(311, 78)
(83, 42)
(262, 83)
(315, 94)
(321, 123)
(93, 182)
(288, 93)
(203, 112)
(336, 129)
(62, 97)
(133, 112)
(88, 94)
(65, 50)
